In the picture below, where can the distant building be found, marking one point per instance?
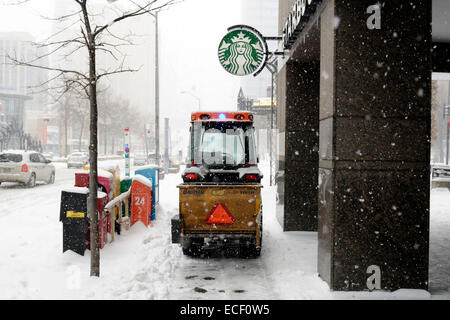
(14, 80)
(263, 16)
(136, 87)
(21, 94)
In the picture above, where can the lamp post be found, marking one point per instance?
(191, 94)
(272, 66)
(155, 15)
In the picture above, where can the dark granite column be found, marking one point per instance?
(375, 145)
(302, 146)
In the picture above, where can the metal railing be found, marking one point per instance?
(115, 208)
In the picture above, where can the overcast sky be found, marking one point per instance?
(190, 33)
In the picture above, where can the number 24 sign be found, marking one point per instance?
(140, 208)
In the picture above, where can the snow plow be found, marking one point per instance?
(220, 209)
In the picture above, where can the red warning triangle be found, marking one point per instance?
(220, 215)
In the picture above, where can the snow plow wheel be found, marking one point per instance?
(192, 251)
(250, 251)
(191, 248)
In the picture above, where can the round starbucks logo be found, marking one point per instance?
(242, 51)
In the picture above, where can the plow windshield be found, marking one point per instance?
(223, 144)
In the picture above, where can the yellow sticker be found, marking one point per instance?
(218, 192)
(74, 214)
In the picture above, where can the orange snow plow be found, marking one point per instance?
(220, 197)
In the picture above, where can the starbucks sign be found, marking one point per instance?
(243, 51)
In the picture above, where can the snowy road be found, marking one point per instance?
(143, 264)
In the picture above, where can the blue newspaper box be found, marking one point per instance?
(151, 172)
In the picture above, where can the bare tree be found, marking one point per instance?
(74, 109)
(93, 38)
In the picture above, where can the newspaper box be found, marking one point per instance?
(125, 185)
(152, 173)
(73, 215)
(103, 221)
(105, 181)
(141, 200)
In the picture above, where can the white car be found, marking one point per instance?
(25, 167)
(77, 160)
(140, 159)
(48, 155)
(440, 176)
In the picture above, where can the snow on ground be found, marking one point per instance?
(143, 264)
(440, 242)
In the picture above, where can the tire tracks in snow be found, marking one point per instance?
(222, 278)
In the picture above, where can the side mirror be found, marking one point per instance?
(48, 161)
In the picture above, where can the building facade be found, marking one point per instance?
(22, 89)
(354, 113)
(14, 80)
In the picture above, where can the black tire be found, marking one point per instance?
(192, 249)
(32, 182)
(249, 251)
(51, 180)
(231, 251)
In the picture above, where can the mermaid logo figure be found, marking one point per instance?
(241, 52)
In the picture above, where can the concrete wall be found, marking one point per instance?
(374, 182)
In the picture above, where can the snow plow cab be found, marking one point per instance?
(220, 208)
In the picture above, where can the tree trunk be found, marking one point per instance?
(65, 129)
(93, 143)
(106, 139)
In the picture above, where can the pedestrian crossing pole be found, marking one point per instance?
(127, 151)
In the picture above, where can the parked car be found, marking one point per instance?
(140, 159)
(440, 176)
(77, 160)
(174, 166)
(161, 173)
(48, 155)
(152, 158)
(26, 167)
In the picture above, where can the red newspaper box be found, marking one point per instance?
(141, 200)
(105, 181)
(82, 179)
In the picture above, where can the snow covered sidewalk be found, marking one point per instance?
(143, 263)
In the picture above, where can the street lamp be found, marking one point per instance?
(155, 15)
(191, 94)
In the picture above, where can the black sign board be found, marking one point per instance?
(301, 11)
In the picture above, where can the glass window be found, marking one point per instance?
(34, 157)
(7, 157)
(223, 144)
(42, 158)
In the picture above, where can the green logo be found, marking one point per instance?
(242, 51)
